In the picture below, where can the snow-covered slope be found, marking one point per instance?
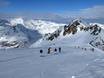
(93, 70)
(27, 63)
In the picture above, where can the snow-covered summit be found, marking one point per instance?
(16, 21)
(43, 27)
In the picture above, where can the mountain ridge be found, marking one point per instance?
(75, 33)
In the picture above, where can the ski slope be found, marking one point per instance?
(27, 63)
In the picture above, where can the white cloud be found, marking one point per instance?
(93, 12)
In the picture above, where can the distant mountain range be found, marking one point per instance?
(21, 33)
(17, 33)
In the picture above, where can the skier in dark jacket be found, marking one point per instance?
(59, 49)
(85, 49)
(41, 51)
(49, 50)
(55, 50)
(92, 49)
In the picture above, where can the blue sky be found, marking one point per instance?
(62, 7)
(47, 5)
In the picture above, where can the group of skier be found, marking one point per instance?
(85, 49)
(50, 49)
(92, 49)
(56, 50)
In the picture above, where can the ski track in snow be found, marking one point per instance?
(11, 59)
(27, 63)
(93, 70)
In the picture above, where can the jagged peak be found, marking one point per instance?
(73, 28)
(98, 24)
(78, 22)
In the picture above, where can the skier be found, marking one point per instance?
(82, 48)
(85, 49)
(59, 49)
(92, 49)
(55, 50)
(49, 50)
(41, 51)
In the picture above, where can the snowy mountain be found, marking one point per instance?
(18, 32)
(76, 33)
(80, 55)
(43, 27)
(10, 36)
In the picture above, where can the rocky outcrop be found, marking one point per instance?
(72, 28)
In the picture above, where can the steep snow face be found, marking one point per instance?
(43, 27)
(98, 41)
(78, 39)
(16, 21)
